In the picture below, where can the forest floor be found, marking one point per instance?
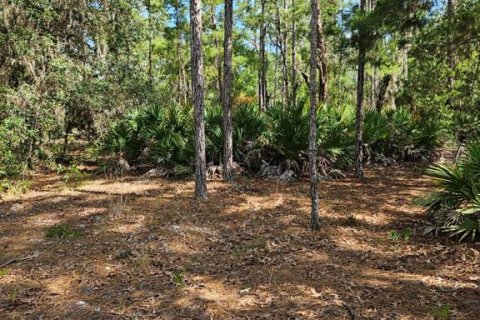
(145, 249)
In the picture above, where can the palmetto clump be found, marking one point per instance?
(455, 209)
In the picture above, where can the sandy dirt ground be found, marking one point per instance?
(145, 249)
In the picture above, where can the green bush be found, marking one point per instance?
(13, 136)
(288, 130)
(279, 136)
(61, 231)
(455, 209)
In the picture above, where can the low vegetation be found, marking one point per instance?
(455, 208)
(163, 136)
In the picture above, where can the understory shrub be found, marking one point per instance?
(164, 136)
(455, 208)
(13, 135)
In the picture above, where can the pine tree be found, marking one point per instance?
(227, 93)
(312, 147)
(198, 99)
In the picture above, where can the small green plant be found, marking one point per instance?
(395, 235)
(13, 295)
(178, 277)
(4, 272)
(72, 176)
(442, 313)
(73, 173)
(61, 231)
(14, 187)
(5, 185)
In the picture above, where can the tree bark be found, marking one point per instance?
(198, 99)
(312, 147)
(218, 58)
(150, 75)
(452, 59)
(360, 99)
(181, 84)
(281, 43)
(294, 58)
(323, 61)
(262, 86)
(227, 93)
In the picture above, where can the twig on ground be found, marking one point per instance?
(29, 257)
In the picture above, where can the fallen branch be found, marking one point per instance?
(29, 257)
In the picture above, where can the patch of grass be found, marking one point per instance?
(178, 277)
(259, 242)
(15, 187)
(13, 295)
(442, 313)
(395, 235)
(72, 176)
(61, 231)
(4, 272)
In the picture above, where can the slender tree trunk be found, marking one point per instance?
(360, 100)
(312, 147)
(284, 41)
(294, 58)
(452, 59)
(198, 99)
(281, 43)
(227, 93)
(150, 75)
(323, 61)
(262, 94)
(275, 77)
(181, 83)
(218, 58)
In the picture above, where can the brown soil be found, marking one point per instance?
(146, 250)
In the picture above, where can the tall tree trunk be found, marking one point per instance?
(181, 83)
(150, 75)
(452, 59)
(312, 146)
(360, 99)
(323, 61)
(282, 45)
(218, 58)
(198, 99)
(294, 58)
(262, 86)
(227, 93)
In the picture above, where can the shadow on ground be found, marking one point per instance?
(146, 250)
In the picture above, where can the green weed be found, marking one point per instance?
(61, 231)
(442, 313)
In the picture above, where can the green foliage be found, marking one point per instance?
(336, 135)
(167, 132)
(288, 130)
(18, 186)
(178, 277)
(399, 135)
(442, 313)
(14, 134)
(455, 208)
(4, 272)
(61, 231)
(279, 136)
(404, 235)
(72, 175)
